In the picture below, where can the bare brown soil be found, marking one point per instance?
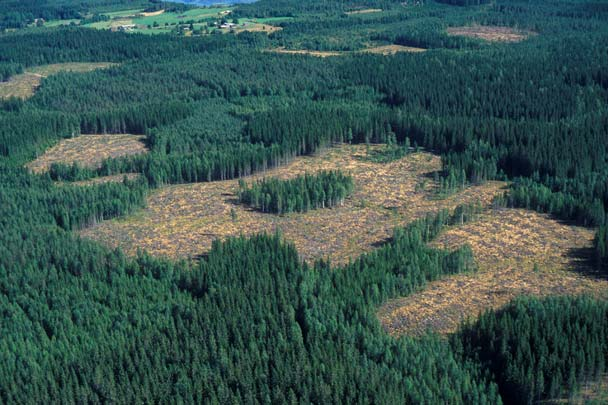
(518, 252)
(491, 33)
(181, 221)
(24, 85)
(89, 150)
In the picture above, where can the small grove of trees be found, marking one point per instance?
(325, 189)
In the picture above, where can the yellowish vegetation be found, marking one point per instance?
(391, 49)
(320, 54)
(89, 150)
(364, 11)
(116, 178)
(24, 85)
(491, 33)
(152, 13)
(518, 252)
(256, 27)
(183, 220)
(20, 86)
(382, 50)
(591, 392)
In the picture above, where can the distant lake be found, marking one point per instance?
(212, 2)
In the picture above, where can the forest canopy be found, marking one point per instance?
(300, 194)
(251, 322)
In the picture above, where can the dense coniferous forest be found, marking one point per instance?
(251, 322)
(300, 194)
(540, 349)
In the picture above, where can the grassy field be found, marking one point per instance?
(57, 23)
(24, 85)
(491, 33)
(161, 22)
(158, 20)
(271, 20)
(518, 252)
(169, 18)
(181, 221)
(89, 150)
(123, 13)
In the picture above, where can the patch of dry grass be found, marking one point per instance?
(591, 392)
(24, 85)
(380, 50)
(152, 13)
(256, 27)
(364, 11)
(518, 252)
(89, 150)
(320, 54)
(74, 67)
(491, 33)
(182, 220)
(115, 178)
(20, 86)
(391, 49)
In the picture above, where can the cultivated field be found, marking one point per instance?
(89, 150)
(491, 33)
(183, 220)
(24, 85)
(518, 252)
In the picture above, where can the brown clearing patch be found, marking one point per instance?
(89, 150)
(24, 85)
(20, 86)
(256, 27)
(381, 50)
(591, 392)
(392, 49)
(507, 244)
(182, 220)
(364, 11)
(491, 33)
(115, 178)
(320, 54)
(152, 13)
